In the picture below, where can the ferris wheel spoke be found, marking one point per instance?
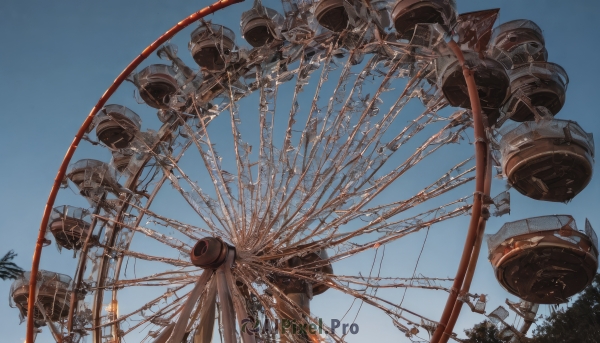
(142, 256)
(386, 306)
(241, 150)
(290, 309)
(147, 306)
(190, 231)
(160, 237)
(163, 318)
(225, 301)
(398, 229)
(387, 211)
(263, 188)
(390, 282)
(310, 133)
(343, 152)
(164, 334)
(384, 181)
(379, 128)
(355, 211)
(205, 328)
(323, 207)
(439, 187)
(446, 182)
(284, 188)
(179, 276)
(343, 246)
(202, 204)
(212, 164)
(182, 322)
(366, 112)
(168, 163)
(302, 77)
(310, 127)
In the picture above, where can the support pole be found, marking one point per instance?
(225, 300)
(81, 267)
(240, 306)
(37, 254)
(182, 322)
(204, 331)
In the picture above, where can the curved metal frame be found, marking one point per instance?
(476, 227)
(82, 130)
(468, 261)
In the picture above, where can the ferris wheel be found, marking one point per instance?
(302, 165)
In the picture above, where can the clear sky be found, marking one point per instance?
(58, 57)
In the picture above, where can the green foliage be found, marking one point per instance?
(9, 270)
(484, 332)
(580, 323)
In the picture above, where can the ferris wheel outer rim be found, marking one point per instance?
(449, 316)
(470, 243)
(29, 338)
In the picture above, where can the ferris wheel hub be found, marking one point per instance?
(209, 253)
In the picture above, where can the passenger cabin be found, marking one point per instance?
(542, 83)
(544, 260)
(210, 45)
(258, 25)
(120, 160)
(490, 77)
(309, 259)
(93, 177)
(70, 226)
(332, 15)
(116, 126)
(517, 42)
(548, 160)
(53, 295)
(157, 83)
(473, 30)
(298, 290)
(406, 14)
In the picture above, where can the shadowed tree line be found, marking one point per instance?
(579, 323)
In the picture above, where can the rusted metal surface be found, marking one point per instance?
(82, 130)
(81, 267)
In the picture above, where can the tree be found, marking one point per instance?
(9, 270)
(580, 323)
(484, 332)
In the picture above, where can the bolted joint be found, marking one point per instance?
(209, 253)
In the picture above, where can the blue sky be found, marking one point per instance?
(58, 57)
